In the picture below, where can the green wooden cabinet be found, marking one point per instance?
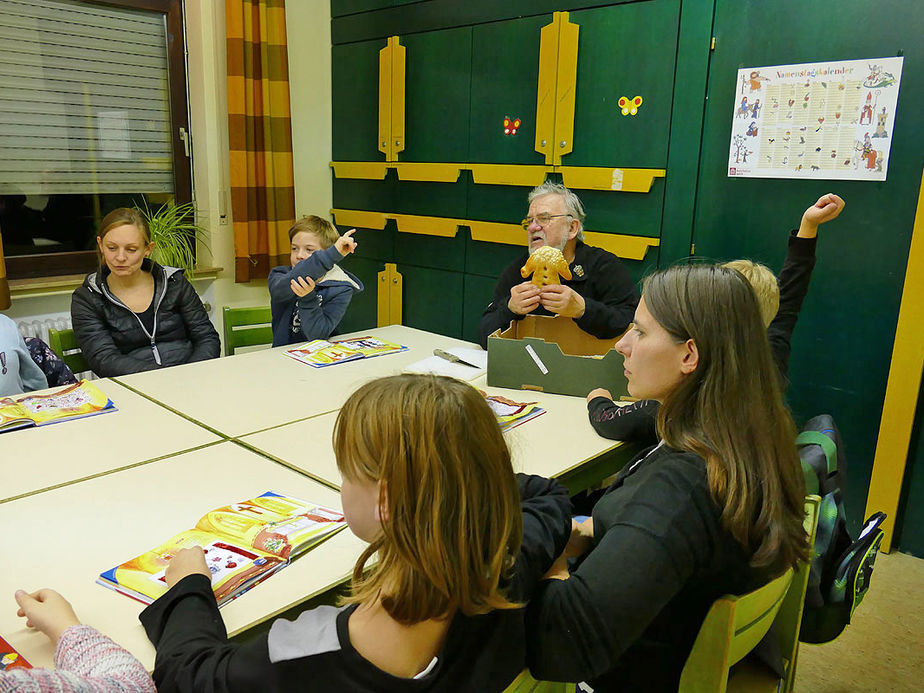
(436, 112)
(624, 50)
(504, 73)
(355, 101)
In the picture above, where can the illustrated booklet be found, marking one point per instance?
(320, 352)
(511, 414)
(244, 543)
(10, 658)
(70, 402)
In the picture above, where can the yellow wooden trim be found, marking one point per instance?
(385, 69)
(565, 87)
(622, 179)
(628, 247)
(398, 64)
(494, 232)
(545, 88)
(508, 174)
(902, 387)
(396, 297)
(365, 170)
(428, 226)
(431, 172)
(382, 312)
(360, 218)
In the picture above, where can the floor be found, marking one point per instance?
(883, 647)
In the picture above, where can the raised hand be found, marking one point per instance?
(824, 210)
(345, 244)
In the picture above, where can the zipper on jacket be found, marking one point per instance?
(104, 288)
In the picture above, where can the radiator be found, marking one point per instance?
(38, 326)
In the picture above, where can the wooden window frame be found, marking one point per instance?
(82, 262)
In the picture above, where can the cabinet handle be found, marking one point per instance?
(562, 144)
(544, 142)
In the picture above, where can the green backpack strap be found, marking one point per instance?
(827, 445)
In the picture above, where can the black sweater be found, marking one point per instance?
(114, 340)
(313, 653)
(637, 421)
(627, 617)
(610, 296)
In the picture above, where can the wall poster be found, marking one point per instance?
(831, 120)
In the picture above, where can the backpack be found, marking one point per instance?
(841, 568)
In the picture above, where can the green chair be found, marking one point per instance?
(64, 344)
(246, 327)
(524, 683)
(735, 624)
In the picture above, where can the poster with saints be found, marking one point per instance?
(831, 120)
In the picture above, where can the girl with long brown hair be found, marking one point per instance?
(715, 507)
(461, 544)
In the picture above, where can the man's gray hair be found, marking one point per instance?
(572, 202)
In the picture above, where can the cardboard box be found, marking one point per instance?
(576, 362)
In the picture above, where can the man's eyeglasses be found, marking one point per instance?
(542, 219)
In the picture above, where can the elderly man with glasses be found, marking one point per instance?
(600, 296)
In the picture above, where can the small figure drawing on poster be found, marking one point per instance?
(878, 78)
(881, 120)
(755, 80)
(755, 109)
(752, 129)
(743, 109)
(866, 114)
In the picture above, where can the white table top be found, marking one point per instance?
(41, 457)
(550, 445)
(251, 392)
(67, 536)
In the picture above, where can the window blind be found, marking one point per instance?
(84, 99)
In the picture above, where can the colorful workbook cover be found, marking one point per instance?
(244, 543)
(320, 352)
(511, 414)
(10, 658)
(70, 402)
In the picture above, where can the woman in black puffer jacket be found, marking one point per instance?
(133, 314)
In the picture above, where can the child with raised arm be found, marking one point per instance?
(86, 660)
(309, 298)
(461, 543)
(780, 301)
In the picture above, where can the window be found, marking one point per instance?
(93, 116)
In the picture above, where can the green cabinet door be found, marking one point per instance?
(355, 101)
(505, 72)
(436, 105)
(432, 300)
(624, 50)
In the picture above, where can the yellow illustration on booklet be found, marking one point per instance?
(320, 352)
(70, 402)
(244, 543)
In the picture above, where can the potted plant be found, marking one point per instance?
(174, 232)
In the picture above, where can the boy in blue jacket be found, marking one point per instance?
(308, 299)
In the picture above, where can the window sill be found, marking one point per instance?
(50, 286)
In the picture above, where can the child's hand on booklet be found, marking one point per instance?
(302, 286)
(47, 611)
(186, 562)
(345, 244)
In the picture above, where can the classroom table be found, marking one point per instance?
(559, 443)
(65, 537)
(255, 391)
(43, 457)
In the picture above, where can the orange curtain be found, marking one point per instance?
(260, 135)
